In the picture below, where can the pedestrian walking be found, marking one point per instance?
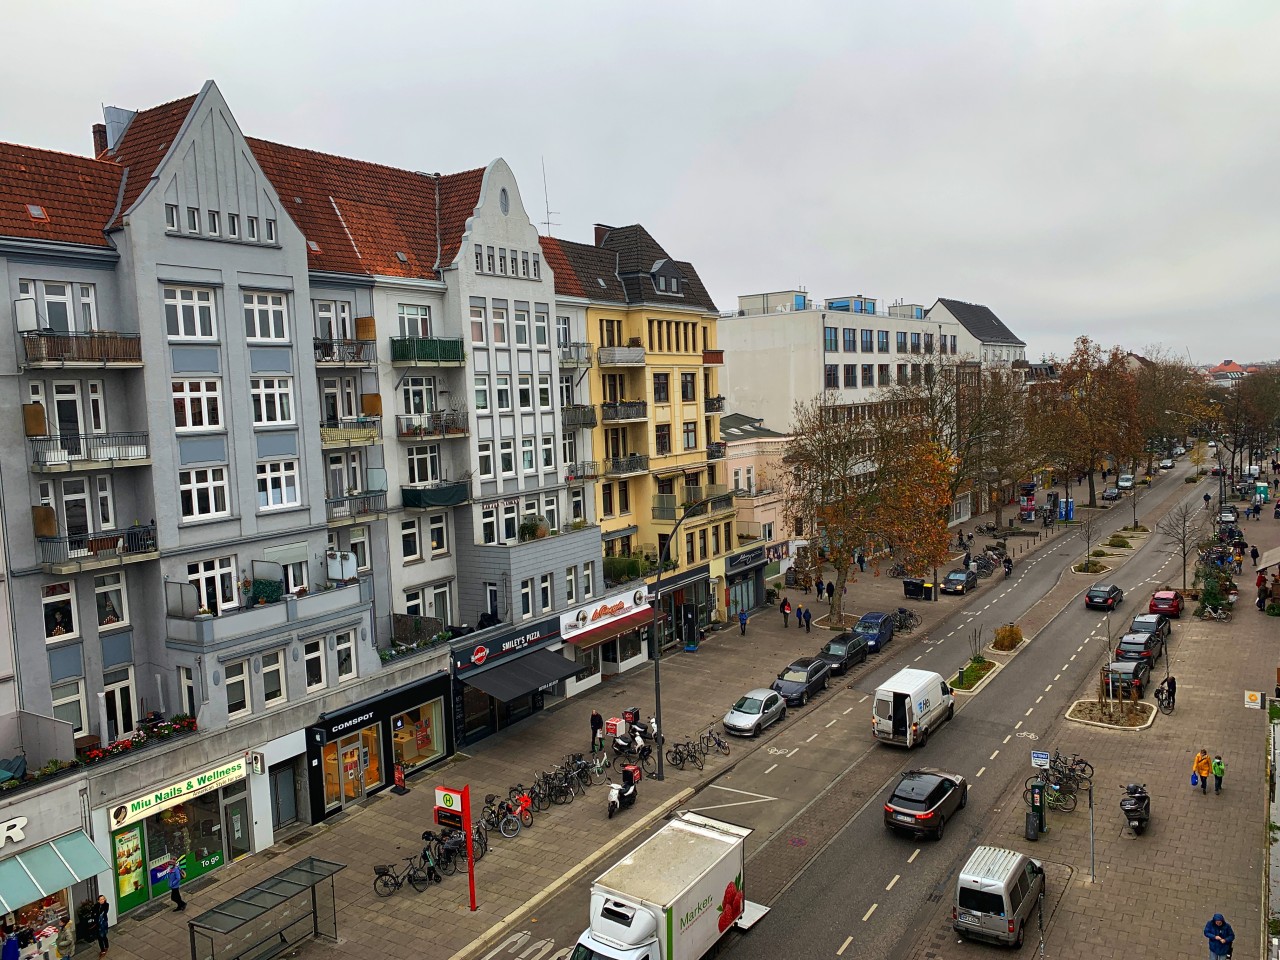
(1253, 555)
(831, 589)
(597, 730)
(1171, 685)
(968, 559)
(101, 912)
(66, 942)
(785, 607)
(808, 619)
(1219, 768)
(1263, 593)
(742, 622)
(819, 585)
(175, 887)
(1202, 767)
(862, 562)
(805, 584)
(1220, 936)
(11, 950)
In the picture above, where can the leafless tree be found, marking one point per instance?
(1182, 526)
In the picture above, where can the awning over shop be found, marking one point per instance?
(45, 869)
(1269, 559)
(614, 628)
(522, 675)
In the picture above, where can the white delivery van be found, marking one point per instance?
(673, 897)
(909, 706)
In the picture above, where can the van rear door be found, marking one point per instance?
(901, 716)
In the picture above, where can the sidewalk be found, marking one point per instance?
(1202, 854)
(696, 689)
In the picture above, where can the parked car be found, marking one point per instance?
(1129, 675)
(1140, 646)
(1111, 493)
(1179, 451)
(1216, 472)
(843, 651)
(960, 581)
(1152, 623)
(1213, 444)
(1166, 464)
(1103, 596)
(802, 680)
(1125, 482)
(1168, 602)
(924, 800)
(877, 628)
(754, 711)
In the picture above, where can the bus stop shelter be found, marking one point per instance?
(264, 921)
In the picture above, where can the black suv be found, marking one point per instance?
(1140, 646)
(843, 651)
(1156, 623)
(802, 680)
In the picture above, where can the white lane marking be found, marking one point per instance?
(836, 720)
(1073, 656)
(1038, 699)
(912, 858)
(1017, 725)
(1008, 738)
(1056, 679)
(756, 798)
(771, 769)
(896, 878)
(864, 697)
(1048, 688)
(951, 634)
(847, 711)
(980, 773)
(1079, 648)
(812, 738)
(793, 753)
(994, 755)
(917, 658)
(867, 916)
(844, 946)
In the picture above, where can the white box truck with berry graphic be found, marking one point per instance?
(673, 896)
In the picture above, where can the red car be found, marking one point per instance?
(1168, 602)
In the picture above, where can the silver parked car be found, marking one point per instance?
(754, 711)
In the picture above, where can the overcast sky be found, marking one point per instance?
(1107, 168)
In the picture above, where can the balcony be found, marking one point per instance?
(92, 551)
(626, 411)
(632, 356)
(713, 405)
(345, 353)
(715, 357)
(576, 354)
(716, 451)
(350, 432)
(356, 508)
(442, 493)
(578, 415)
(186, 625)
(428, 351)
(665, 507)
(436, 424)
(626, 466)
(94, 451)
(582, 470)
(55, 350)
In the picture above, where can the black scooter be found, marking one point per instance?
(1136, 807)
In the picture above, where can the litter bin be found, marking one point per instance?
(913, 588)
(928, 591)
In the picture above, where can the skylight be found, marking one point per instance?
(315, 247)
(37, 212)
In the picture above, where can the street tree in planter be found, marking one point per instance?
(1182, 525)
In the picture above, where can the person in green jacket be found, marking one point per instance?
(1219, 768)
(66, 942)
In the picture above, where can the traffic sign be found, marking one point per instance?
(1040, 759)
(1253, 699)
(448, 798)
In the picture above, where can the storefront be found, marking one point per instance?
(352, 753)
(201, 822)
(687, 605)
(46, 864)
(503, 678)
(744, 580)
(606, 637)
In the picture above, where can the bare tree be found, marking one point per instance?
(1182, 525)
(1139, 492)
(1088, 527)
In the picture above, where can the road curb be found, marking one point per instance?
(981, 683)
(504, 925)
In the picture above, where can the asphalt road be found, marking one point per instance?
(859, 893)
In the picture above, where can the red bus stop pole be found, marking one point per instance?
(471, 860)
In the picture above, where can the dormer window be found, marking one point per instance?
(675, 285)
(37, 212)
(662, 284)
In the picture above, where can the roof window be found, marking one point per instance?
(37, 212)
(313, 246)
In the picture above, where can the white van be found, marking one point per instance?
(995, 895)
(909, 706)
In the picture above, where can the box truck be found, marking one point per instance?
(673, 897)
(909, 706)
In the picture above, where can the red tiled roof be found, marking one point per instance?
(144, 143)
(566, 279)
(77, 193)
(1227, 366)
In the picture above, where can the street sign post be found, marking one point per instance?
(1040, 759)
(451, 804)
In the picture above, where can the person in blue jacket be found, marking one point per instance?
(742, 621)
(1220, 936)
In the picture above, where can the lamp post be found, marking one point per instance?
(663, 554)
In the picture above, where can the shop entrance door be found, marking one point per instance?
(284, 797)
(351, 769)
(236, 827)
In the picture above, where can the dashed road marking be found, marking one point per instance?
(771, 769)
(812, 738)
(1038, 699)
(867, 916)
(1008, 738)
(1056, 679)
(864, 697)
(1079, 648)
(836, 720)
(994, 755)
(1048, 688)
(844, 946)
(1017, 725)
(850, 708)
(793, 752)
(1073, 656)
(980, 773)
(1028, 713)
(912, 858)
(917, 658)
(896, 878)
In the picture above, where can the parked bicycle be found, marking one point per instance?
(1164, 700)
(1221, 614)
(500, 815)
(678, 754)
(712, 739)
(904, 621)
(1054, 796)
(419, 871)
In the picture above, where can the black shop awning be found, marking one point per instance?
(528, 673)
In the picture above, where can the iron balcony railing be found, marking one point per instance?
(620, 356)
(351, 430)
(716, 451)
(713, 405)
(581, 470)
(427, 350)
(576, 354)
(632, 463)
(329, 350)
(356, 505)
(102, 545)
(70, 449)
(625, 410)
(102, 347)
(578, 415)
(437, 423)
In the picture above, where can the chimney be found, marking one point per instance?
(601, 232)
(99, 139)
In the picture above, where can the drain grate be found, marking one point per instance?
(297, 838)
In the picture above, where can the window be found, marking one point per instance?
(438, 534)
(189, 314)
(902, 374)
(690, 434)
(358, 543)
(202, 493)
(928, 343)
(702, 544)
(588, 570)
(526, 454)
(850, 340)
(252, 223)
(345, 647)
(715, 540)
(215, 583)
(410, 547)
(197, 404)
(569, 448)
(537, 269)
(59, 602)
(915, 343)
(503, 389)
(68, 698)
(882, 341)
(502, 261)
(868, 340)
(295, 576)
(171, 216)
(415, 320)
(544, 592)
(688, 387)
(766, 532)
(902, 341)
(507, 456)
(489, 526)
(662, 438)
(541, 325)
(953, 345)
(273, 688)
(831, 376)
(868, 375)
(524, 264)
(278, 484)
(187, 690)
(544, 391)
(265, 316)
(509, 522)
(499, 324)
(489, 260)
(606, 499)
(272, 400)
(526, 599)
(688, 548)
(237, 684)
(521, 327)
(313, 661)
(479, 259)
(193, 220)
(414, 602)
(570, 584)
(850, 374)
(111, 600)
(482, 393)
(233, 226)
(477, 322)
(548, 452)
(484, 451)
(213, 223)
(662, 388)
(830, 343)
(883, 375)
(524, 387)
(423, 463)
(624, 496)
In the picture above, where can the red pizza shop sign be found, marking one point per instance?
(504, 644)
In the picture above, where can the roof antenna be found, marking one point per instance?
(546, 201)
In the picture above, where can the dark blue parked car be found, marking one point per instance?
(877, 628)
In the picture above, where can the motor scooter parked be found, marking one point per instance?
(623, 795)
(1136, 807)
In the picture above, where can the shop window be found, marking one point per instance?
(68, 704)
(588, 663)
(346, 648)
(273, 683)
(313, 655)
(112, 603)
(630, 644)
(417, 735)
(237, 684)
(59, 600)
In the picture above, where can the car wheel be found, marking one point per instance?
(964, 797)
(951, 711)
(924, 738)
(755, 731)
(942, 827)
(804, 698)
(1017, 943)
(783, 715)
(826, 682)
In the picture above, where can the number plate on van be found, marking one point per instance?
(969, 918)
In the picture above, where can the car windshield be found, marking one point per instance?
(837, 649)
(794, 674)
(866, 626)
(748, 705)
(955, 575)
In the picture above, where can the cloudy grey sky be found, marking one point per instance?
(1106, 167)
